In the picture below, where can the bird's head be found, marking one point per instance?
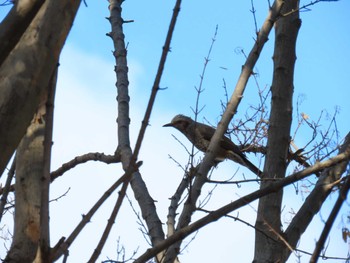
(179, 122)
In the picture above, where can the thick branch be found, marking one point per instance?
(121, 70)
(123, 120)
(314, 201)
(43, 253)
(26, 72)
(19, 17)
(330, 221)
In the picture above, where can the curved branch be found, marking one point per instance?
(96, 156)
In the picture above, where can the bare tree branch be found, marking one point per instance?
(330, 221)
(123, 120)
(62, 246)
(138, 185)
(96, 156)
(217, 214)
(175, 200)
(314, 201)
(208, 161)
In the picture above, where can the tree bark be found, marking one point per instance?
(31, 240)
(19, 17)
(142, 195)
(29, 172)
(268, 223)
(25, 73)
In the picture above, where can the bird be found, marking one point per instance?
(200, 134)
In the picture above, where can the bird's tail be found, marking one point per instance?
(253, 168)
(241, 159)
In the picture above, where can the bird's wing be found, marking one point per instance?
(225, 142)
(205, 131)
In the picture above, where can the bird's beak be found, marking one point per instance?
(168, 125)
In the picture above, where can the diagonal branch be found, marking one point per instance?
(330, 221)
(223, 211)
(315, 199)
(138, 185)
(190, 205)
(63, 245)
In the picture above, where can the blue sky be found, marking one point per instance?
(86, 112)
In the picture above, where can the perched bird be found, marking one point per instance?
(200, 135)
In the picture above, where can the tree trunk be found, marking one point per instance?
(268, 223)
(19, 17)
(29, 172)
(25, 73)
(31, 238)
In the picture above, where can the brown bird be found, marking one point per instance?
(200, 135)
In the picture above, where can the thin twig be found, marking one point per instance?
(305, 7)
(200, 89)
(7, 187)
(253, 11)
(143, 228)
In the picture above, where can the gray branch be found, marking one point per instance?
(315, 200)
